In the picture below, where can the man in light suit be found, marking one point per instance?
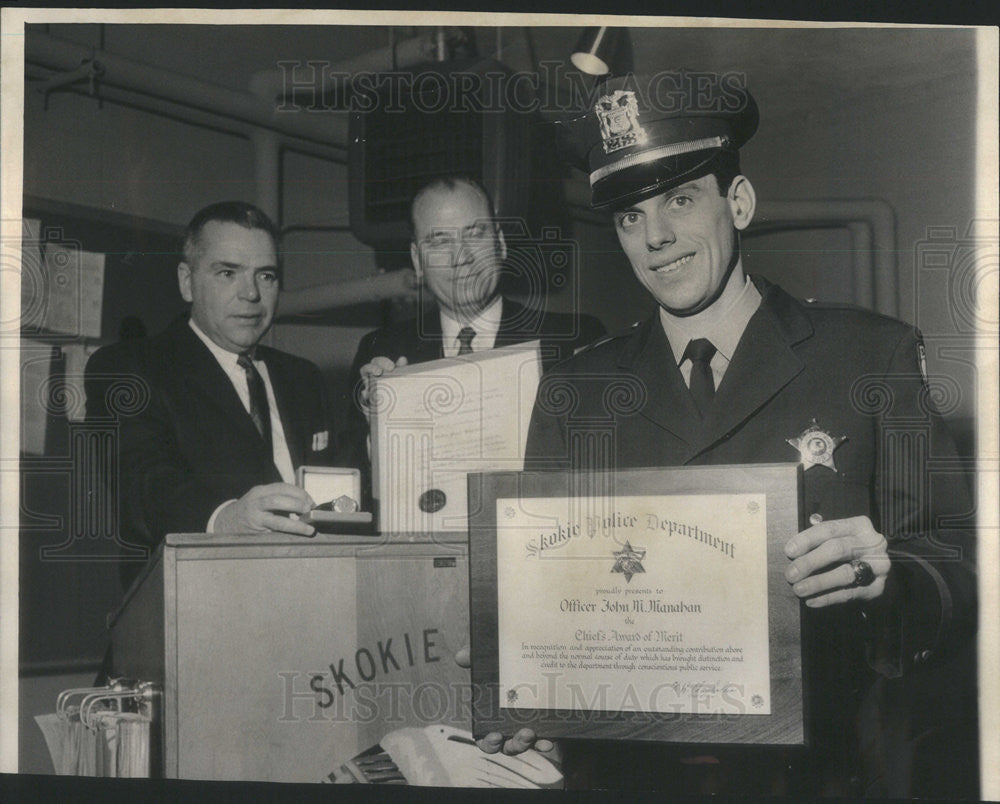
(214, 424)
(733, 370)
(458, 251)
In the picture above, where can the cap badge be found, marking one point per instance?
(618, 114)
(816, 446)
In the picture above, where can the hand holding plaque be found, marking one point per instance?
(658, 611)
(378, 367)
(856, 551)
(495, 741)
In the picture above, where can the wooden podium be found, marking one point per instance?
(281, 657)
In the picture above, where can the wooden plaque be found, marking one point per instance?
(647, 604)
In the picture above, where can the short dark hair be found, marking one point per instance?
(449, 182)
(240, 212)
(725, 166)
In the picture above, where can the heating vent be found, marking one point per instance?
(411, 136)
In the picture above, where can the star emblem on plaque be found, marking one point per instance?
(618, 114)
(628, 561)
(816, 446)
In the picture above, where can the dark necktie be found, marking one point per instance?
(465, 336)
(700, 352)
(260, 411)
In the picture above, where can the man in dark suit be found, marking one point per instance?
(731, 370)
(211, 424)
(458, 252)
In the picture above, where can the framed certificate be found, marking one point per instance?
(433, 423)
(647, 604)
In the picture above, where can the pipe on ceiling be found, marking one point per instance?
(200, 103)
(195, 117)
(299, 303)
(246, 107)
(272, 84)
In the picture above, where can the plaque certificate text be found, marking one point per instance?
(643, 604)
(640, 604)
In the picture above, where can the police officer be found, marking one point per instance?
(734, 370)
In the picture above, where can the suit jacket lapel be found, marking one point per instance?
(515, 322)
(763, 364)
(668, 402)
(428, 338)
(205, 377)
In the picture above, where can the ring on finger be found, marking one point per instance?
(864, 575)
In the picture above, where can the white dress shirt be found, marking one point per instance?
(238, 377)
(486, 325)
(723, 324)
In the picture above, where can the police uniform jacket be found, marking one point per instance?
(858, 375)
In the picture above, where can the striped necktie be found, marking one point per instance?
(260, 411)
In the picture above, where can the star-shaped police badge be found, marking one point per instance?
(816, 446)
(629, 561)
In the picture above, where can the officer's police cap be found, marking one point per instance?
(647, 134)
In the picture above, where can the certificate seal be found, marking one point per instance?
(629, 561)
(432, 501)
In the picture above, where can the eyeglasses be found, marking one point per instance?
(476, 232)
